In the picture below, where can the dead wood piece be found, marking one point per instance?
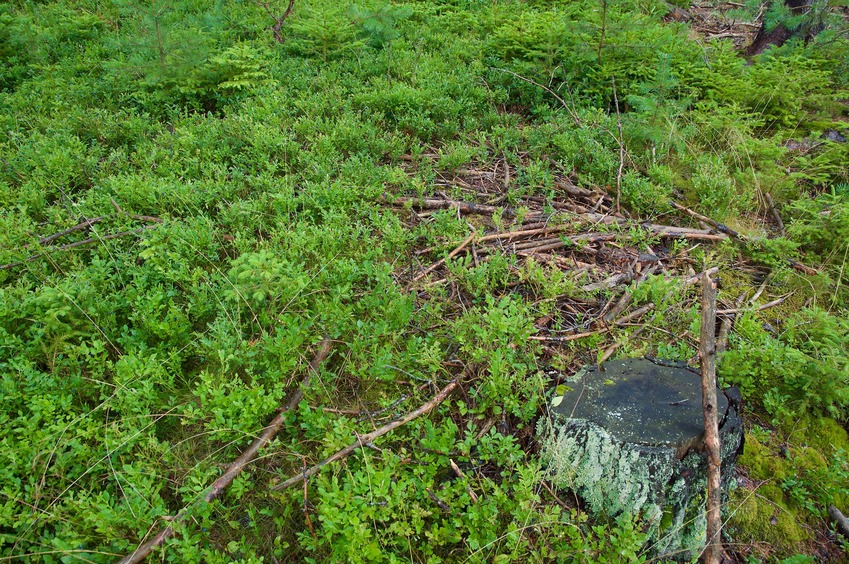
(716, 225)
(774, 210)
(566, 338)
(840, 519)
(625, 319)
(460, 475)
(736, 310)
(725, 327)
(690, 280)
(626, 297)
(707, 354)
(85, 224)
(440, 262)
(608, 283)
(525, 232)
(612, 348)
(463, 207)
(441, 504)
(683, 233)
(367, 438)
(734, 234)
(237, 465)
(636, 314)
(76, 244)
(148, 218)
(573, 190)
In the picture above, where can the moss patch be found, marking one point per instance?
(802, 469)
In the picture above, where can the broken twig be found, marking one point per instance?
(367, 438)
(236, 466)
(707, 353)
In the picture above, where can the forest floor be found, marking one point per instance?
(291, 282)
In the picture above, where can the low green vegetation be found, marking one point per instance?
(227, 199)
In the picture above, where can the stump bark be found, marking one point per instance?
(628, 438)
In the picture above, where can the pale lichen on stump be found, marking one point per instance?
(627, 438)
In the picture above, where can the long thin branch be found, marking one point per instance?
(236, 467)
(707, 353)
(366, 439)
(618, 126)
(594, 218)
(571, 111)
(441, 261)
(722, 228)
(78, 227)
(76, 244)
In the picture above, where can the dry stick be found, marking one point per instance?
(707, 353)
(238, 465)
(621, 140)
(725, 327)
(626, 297)
(637, 313)
(571, 111)
(460, 475)
(735, 235)
(840, 519)
(566, 338)
(595, 218)
(767, 305)
(441, 261)
(612, 348)
(78, 227)
(774, 210)
(149, 218)
(77, 244)
(463, 207)
(366, 439)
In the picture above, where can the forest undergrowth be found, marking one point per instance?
(471, 196)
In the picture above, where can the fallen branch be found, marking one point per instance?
(76, 244)
(441, 261)
(840, 519)
(623, 301)
(460, 475)
(612, 348)
(725, 327)
(707, 353)
(78, 227)
(774, 210)
(462, 207)
(589, 217)
(572, 113)
(625, 319)
(767, 305)
(363, 440)
(735, 235)
(148, 218)
(236, 466)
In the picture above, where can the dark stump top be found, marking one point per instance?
(639, 401)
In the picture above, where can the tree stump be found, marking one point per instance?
(627, 438)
